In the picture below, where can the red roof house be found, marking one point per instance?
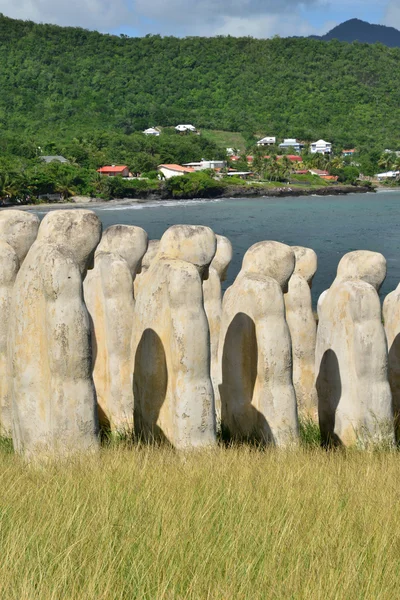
(172, 170)
(113, 170)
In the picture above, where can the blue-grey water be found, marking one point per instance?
(331, 225)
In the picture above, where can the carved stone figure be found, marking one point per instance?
(391, 318)
(173, 395)
(108, 290)
(53, 398)
(18, 231)
(354, 398)
(303, 329)
(151, 253)
(257, 394)
(213, 307)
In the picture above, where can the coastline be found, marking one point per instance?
(229, 192)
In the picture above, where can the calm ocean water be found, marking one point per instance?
(331, 225)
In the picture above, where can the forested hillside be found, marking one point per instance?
(59, 83)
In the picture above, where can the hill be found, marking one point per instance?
(59, 84)
(361, 31)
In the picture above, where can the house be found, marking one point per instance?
(151, 131)
(185, 128)
(113, 170)
(291, 143)
(321, 147)
(206, 164)
(319, 172)
(50, 159)
(267, 141)
(350, 152)
(241, 174)
(230, 152)
(388, 175)
(173, 170)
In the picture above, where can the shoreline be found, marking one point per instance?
(233, 192)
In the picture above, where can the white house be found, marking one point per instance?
(291, 143)
(321, 147)
(172, 170)
(184, 128)
(267, 141)
(388, 175)
(151, 131)
(206, 164)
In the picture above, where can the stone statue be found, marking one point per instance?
(354, 399)
(303, 329)
(213, 307)
(257, 394)
(53, 398)
(108, 290)
(391, 318)
(18, 231)
(173, 395)
(148, 258)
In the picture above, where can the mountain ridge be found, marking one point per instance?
(358, 30)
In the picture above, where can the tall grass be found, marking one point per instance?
(233, 523)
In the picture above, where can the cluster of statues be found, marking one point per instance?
(113, 330)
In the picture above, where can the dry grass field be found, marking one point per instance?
(234, 523)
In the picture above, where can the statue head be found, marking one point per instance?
(270, 259)
(128, 242)
(306, 263)
(19, 229)
(195, 244)
(363, 264)
(223, 256)
(77, 230)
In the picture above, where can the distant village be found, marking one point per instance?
(291, 150)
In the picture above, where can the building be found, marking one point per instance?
(291, 143)
(319, 172)
(50, 159)
(151, 131)
(350, 152)
(388, 175)
(241, 174)
(185, 128)
(173, 170)
(206, 164)
(113, 170)
(321, 147)
(267, 141)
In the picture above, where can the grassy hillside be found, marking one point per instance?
(234, 523)
(58, 83)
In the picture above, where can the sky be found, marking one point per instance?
(257, 18)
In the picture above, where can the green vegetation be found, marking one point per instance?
(227, 139)
(148, 523)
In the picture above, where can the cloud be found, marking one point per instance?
(392, 14)
(92, 14)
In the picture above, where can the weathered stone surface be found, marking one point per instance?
(257, 394)
(173, 395)
(18, 230)
(108, 290)
(213, 307)
(303, 329)
(151, 253)
(354, 398)
(53, 398)
(391, 318)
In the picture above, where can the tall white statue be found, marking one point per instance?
(108, 290)
(18, 231)
(173, 397)
(257, 394)
(213, 307)
(53, 397)
(354, 398)
(303, 329)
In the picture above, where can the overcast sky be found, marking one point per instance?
(258, 18)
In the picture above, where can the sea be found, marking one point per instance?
(331, 225)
